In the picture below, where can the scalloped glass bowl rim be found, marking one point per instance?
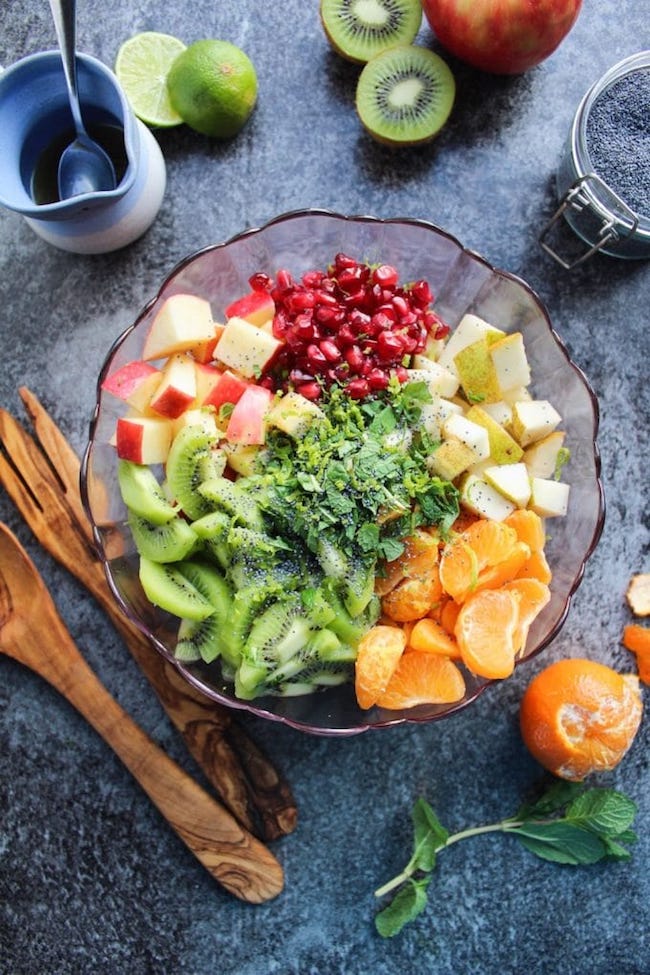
(263, 707)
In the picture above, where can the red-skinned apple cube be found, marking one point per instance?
(247, 421)
(143, 439)
(204, 351)
(257, 307)
(245, 348)
(183, 322)
(134, 383)
(229, 389)
(177, 389)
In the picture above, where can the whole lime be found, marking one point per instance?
(213, 87)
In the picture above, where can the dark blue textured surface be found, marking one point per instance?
(91, 879)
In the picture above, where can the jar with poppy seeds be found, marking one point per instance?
(603, 179)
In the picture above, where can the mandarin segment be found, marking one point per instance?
(379, 652)
(485, 632)
(481, 546)
(637, 639)
(423, 678)
(533, 596)
(413, 598)
(427, 636)
(638, 594)
(578, 717)
(529, 528)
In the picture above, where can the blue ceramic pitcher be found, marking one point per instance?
(35, 119)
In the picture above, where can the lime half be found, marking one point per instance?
(142, 66)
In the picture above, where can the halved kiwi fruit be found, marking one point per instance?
(360, 29)
(405, 95)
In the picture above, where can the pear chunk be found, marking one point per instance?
(533, 420)
(479, 497)
(510, 480)
(549, 499)
(503, 448)
(470, 329)
(510, 362)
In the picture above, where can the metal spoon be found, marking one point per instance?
(84, 167)
(32, 632)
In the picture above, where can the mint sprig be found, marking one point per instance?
(568, 824)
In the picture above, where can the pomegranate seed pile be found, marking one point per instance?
(352, 325)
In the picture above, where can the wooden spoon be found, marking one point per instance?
(32, 632)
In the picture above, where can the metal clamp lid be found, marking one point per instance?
(612, 228)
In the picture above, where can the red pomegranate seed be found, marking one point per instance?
(358, 388)
(310, 391)
(260, 282)
(345, 336)
(390, 346)
(402, 374)
(327, 315)
(401, 307)
(377, 379)
(342, 261)
(315, 357)
(312, 279)
(299, 301)
(421, 294)
(385, 275)
(354, 358)
(441, 332)
(284, 280)
(330, 350)
(326, 298)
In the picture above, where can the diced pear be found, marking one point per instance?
(469, 329)
(518, 394)
(510, 362)
(532, 420)
(503, 448)
(510, 480)
(242, 458)
(450, 459)
(293, 413)
(476, 372)
(440, 381)
(548, 498)
(541, 457)
(201, 416)
(245, 348)
(501, 412)
(479, 497)
(433, 415)
(473, 435)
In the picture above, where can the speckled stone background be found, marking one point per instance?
(91, 879)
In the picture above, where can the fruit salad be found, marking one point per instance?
(326, 485)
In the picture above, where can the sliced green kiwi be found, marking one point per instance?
(405, 95)
(142, 493)
(167, 587)
(226, 495)
(170, 542)
(361, 29)
(193, 458)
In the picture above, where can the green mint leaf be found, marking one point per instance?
(552, 800)
(561, 842)
(428, 836)
(409, 901)
(616, 850)
(604, 811)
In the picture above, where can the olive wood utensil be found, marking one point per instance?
(32, 632)
(42, 478)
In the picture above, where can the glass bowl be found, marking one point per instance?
(461, 282)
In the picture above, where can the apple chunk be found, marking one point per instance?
(183, 321)
(245, 348)
(257, 307)
(247, 424)
(134, 384)
(143, 439)
(177, 389)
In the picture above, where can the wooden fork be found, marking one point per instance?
(42, 478)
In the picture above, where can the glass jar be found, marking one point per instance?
(603, 179)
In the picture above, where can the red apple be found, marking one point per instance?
(143, 439)
(134, 383)
(501, 36)
(177, 389)
(257, 307)
(247, 420)
(216, 387)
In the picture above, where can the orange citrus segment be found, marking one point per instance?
(380, 650)
(637, 639)
(533, 596)
(485, 631)
(448, 615)
(427, 636)
(536, 567)
(419, 555)
(482, 545)
(413, 598)
(579, 717)
(529, 528)
(423, 678)
(496, 575)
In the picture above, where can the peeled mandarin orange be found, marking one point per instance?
(428, 636)
(536, 567)
(507, 569)
(485, 631)
(529, 528)
(579, 717)
(379, 652)
(419, 555)
(413, 598)
(533, 596)
(448, 615)
(482, 545)
(637, 639)
(423, 678)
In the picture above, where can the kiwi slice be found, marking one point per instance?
(228, 496)
(203, 639)
(170, 542)
(405, 95)
(193, 458)
(361, 29)
(167, 587)
(142, 493)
